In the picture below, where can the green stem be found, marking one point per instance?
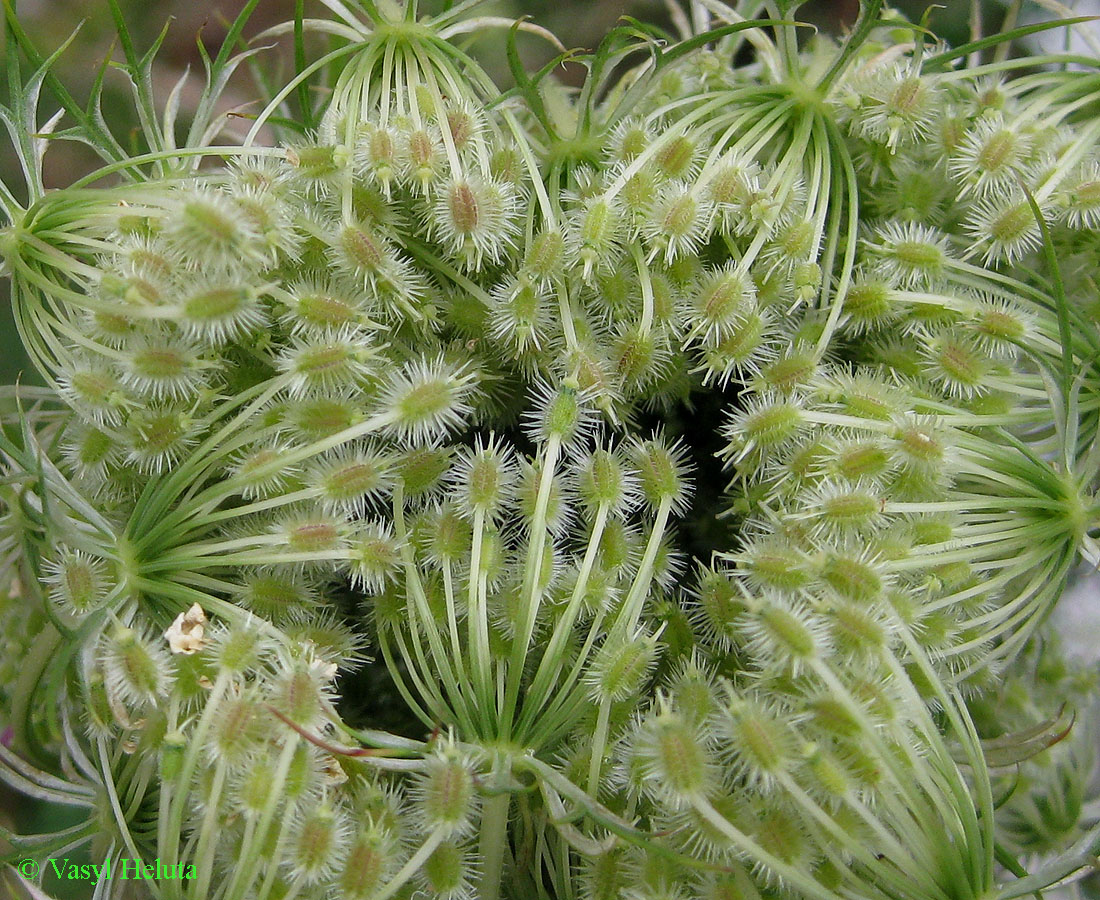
(492, 844)
(639, 590)
(599, 742)
(190, 761)
(550, 667)
(458, 693)
(532, 598)
(412, 866)
(794, 876)
(477, 618)
(246, 874)
(203, 852)
(866, 22)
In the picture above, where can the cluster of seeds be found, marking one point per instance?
(388, 386)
